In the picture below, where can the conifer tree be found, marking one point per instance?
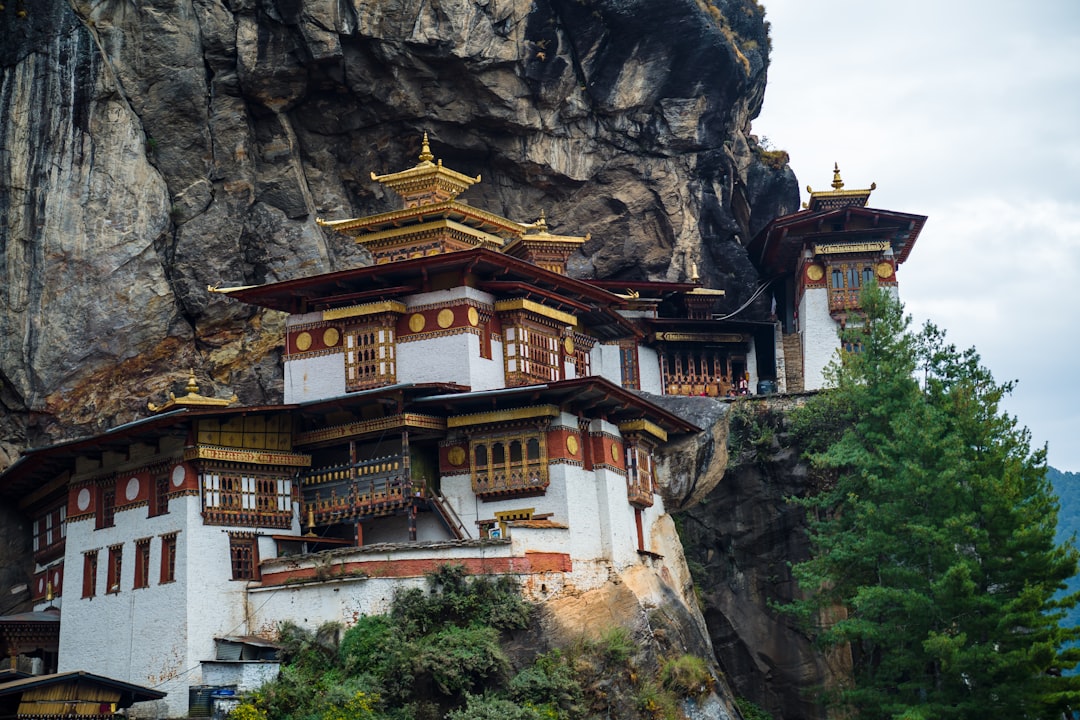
(933, 553)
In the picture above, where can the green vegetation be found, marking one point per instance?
(439, 654)
(934, 558)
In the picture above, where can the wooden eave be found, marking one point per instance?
(646, 288)
(449, 209)
(129, 692)
(593, 396)
(776, 249)
(472, 266)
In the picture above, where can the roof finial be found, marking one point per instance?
(192, 386)
(694, 277)
(425, 151)
(837, 183)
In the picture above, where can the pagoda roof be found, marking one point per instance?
(476, 266)
(375, 227)
(776, 249)
(594, 394)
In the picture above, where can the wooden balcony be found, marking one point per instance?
(528, 479)
(366, 489)
(639, 494)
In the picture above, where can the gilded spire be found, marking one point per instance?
(838, 197)
(425, 151)
(837, 183)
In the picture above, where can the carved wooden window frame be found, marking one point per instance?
(168, 559)
(532, 350)
(497, 470)
(247, 497)
(370, 354)
(90, 570)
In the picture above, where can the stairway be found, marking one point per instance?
(446, 512)
(793, 362)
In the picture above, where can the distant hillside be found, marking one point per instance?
(1067, 487)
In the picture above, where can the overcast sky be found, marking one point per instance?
(967, 112)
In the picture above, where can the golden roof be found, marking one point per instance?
(838, 197)
(536, 232)
(427, 179)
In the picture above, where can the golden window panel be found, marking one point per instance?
(509, 464)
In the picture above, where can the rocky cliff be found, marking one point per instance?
(149, 149)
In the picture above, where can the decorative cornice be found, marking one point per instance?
(376, 308)
(536, 308)
(337, 432)
(837, 248)
(501, 416)
(643, 425)
(252, 457)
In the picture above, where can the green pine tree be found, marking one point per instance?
(933, 551)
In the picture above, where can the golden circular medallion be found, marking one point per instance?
(815, 272)
(456, 456)
(571, 445)
(330, 337)
(615, 453)
(446, 318)
(303, 341)
(568, 343)
(884, 270)
(474, 317)
(417, 322)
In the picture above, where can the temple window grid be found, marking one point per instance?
(243, 556)
(168, 558)
(702, 371)
(532, 353)
(508, 464)
(370, 356)
(241, 497)
(107, 506)
(159, 504)
(628, 361)
(116, 565)
(640, 473)
(142, 563)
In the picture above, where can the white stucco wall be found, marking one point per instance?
(604, 361)
(819, 336)
(314, 378)
(457, 359)
(462, 292)
(649, 372)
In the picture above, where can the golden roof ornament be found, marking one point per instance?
(694, 277)
(838, 197)
(192, 399)
(427, 182)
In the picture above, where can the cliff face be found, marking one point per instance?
(150, 149)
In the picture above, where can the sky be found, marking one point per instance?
(969, 113)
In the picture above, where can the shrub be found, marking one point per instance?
(550, 681)
(488, 707)
(687, 676)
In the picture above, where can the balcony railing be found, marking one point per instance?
(355, 491)
(639, 494)
(515, 481)
(843, 300)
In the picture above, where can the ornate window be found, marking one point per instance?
(370, 356)
(89, 580)
(510, 464)
(533, 353)
(168, 558)
(581, 356)
(244, 556)
(640, 474)
(845, 281)
(246, 497)
(142, 563)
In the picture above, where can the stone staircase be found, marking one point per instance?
(793, 362)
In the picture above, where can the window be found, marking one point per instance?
(106, 516)
(244, 554)
(853, 277)
(247, 498)
(49, 532)
(142, 563)
(511, 464)
(628, 359)
(532, 354)
(639, 474)
(159, 501)
(89, 580)
(867, 275)
(370, 356)
(168, 558)
(116, 563)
